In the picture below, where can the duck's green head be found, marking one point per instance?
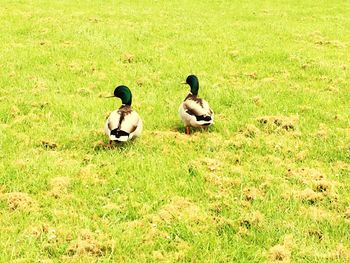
(192, 80)
(124, 93)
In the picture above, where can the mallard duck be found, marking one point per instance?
(194, 111)
(123, 124)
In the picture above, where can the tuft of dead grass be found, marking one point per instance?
(279, 253)
(322, 131)
(212, 164)
(59, 186)
(49, 145)
(251, 193)
(218, 204)
(153, 233)
(287, 123)
(310, 196)
(238, 141)
(129, 225)
(250, 131)
(89, 243)
(323, 186)
(158, 256)
(254, 218)
(347, 213)
(342, 166)
(316, 233)
(340, 252)
(306, 175)
(180, 250)
(223, 222)
(179, 208)
(88, 174)
(282, 252)
(44, 231)
(315, 213)
(222, 181)
(18, 201)
(257, 100)
(318, 185)
(128, 58)
(301, 156)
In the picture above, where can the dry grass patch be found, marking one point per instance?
(251, 193)
(324, 186)
(130, 225)
(212, 164)
(287, 123)
(222, 181)
(318, 185)
(279, 253)
(250, 131)
(316, 233)
(284, 146)
(49, 144)
(347, 213)
(180, 249)
(305, 175)
(89, 243)
(282, 252)
(342, 166)
(308, 195)
(238, 141)
(59, 186)
(276, 161)
(182, 209)
(257, 100)
(322, 131)
(223, 222)
(19, 201)
(316, 213)
(341, 252)
(87, 173)
(254, 218)
(44, 231)
(153, 233)
(218, 203)
(302, 155)
(112, 206)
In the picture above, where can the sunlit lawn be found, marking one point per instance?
(268, 182)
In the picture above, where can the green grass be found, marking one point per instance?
(232, 194)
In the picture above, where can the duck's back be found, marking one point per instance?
(196, 112)
(197, 106)
(122, 124)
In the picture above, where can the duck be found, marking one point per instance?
(124, 123)
(195, 111)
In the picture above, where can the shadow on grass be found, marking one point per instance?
(181, 129)
(119, 146)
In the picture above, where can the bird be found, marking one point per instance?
(124, 123)
(195, 111)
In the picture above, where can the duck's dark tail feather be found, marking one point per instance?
(119, 135)
(203, 118)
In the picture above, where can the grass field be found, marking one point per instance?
(268, 182)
